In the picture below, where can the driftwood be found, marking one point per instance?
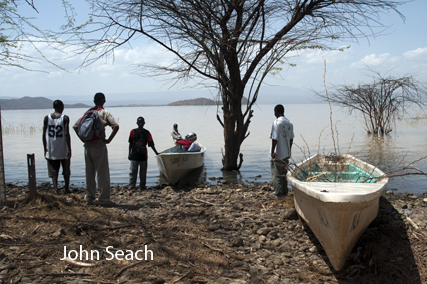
(207, 202)
(99, 281)
(183, 276)
(79, 263)
(60, 274)
(412, 223)
(132, 265)
(116, 227)
(10, 266)
(215, 249)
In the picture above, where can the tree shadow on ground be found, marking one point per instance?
(40, 231)
(197, 237)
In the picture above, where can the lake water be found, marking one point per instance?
(22, 135)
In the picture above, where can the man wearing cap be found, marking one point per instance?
(96, 155)
(282, 138)
(139, 138)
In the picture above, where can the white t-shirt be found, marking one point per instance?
(56, 143)
(282, 130)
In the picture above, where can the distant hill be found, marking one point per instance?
(33, 103)
(200, 102)
(194, 102)
(268, 95)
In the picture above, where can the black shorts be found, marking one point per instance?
(54, 165)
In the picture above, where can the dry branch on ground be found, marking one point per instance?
(244, 237)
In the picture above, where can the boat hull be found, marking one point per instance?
(175, 165)
(338, 212)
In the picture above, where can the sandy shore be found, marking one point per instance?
(225, 233)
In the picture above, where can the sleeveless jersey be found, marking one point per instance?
(56, 143)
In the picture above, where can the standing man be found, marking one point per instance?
(57, 145)
(96, 154)
(282, 138)
(138, 156)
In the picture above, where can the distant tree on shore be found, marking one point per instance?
(381, 102)
(230, 45)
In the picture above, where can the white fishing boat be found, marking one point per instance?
(175, 163)
(338, 197)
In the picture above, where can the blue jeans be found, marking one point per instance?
(279, 169)
(133, 173)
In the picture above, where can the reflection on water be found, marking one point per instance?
(379, 151)
(392, 154)
(232, 176)
(407, 143)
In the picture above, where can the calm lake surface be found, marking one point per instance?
(22, 135)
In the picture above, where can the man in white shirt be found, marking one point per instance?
(282, 137)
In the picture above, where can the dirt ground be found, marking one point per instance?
(225, 233)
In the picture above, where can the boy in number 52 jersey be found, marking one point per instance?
(57, 145)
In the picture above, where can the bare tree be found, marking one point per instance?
(381, 102)
(231, 45)
(17, 29)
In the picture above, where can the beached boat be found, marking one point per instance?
(338, 197)
(175, 163)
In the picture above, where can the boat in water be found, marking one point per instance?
(338, 197)
(174, 163)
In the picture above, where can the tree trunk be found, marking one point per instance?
(231, 146)
(234, 130)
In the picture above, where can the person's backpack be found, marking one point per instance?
(88, 125)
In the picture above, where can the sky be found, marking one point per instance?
(401, 50)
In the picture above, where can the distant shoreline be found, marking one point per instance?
(33, 103)
(26, 103)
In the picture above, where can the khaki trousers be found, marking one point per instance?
(96, 159)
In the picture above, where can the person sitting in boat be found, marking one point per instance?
(177, 138)
(194, 147)
(175, 133)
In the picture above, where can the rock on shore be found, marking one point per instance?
(226, 233)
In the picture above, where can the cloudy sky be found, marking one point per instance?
(401, 50)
